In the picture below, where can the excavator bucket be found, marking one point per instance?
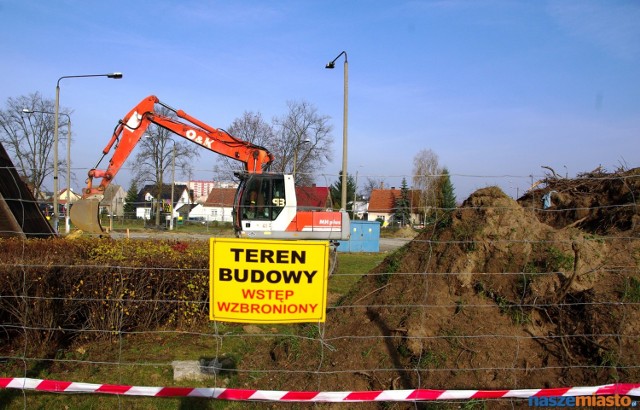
(85, 215)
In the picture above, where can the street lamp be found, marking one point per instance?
(332, 65)
(55, 139)
(295, 155)
(173, 183)
(66, 208)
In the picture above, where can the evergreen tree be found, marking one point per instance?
(402, 212)
(335, 191)
(130, 200)
(447, 196)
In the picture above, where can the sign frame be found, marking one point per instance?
(265, 281)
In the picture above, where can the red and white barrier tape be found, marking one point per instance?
(57, 386)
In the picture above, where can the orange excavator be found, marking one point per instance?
(265, 204)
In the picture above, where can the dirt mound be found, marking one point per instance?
(508, 295)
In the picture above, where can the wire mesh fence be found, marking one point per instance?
(501, 295)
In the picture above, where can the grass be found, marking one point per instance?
(351, 266)
(631, 292)
(429, 360)
(135, 225)
(145, 358)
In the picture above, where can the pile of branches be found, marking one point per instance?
(598, 202)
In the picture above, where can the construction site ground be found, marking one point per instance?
(505, 295)
(508, 295)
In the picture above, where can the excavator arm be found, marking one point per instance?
(126, 136)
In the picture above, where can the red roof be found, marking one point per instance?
(221, 197)
(313, 196)
(384, 200)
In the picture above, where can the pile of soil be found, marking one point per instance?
(507, 295)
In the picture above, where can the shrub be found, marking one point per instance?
(56, 289)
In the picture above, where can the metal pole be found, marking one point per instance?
(55, 152)
(344, 133)
(115, 75)
(66, 208)
(173, 184)
(332, 64)
(55, 159)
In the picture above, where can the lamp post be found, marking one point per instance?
(66, 208)
(332, 65)
(55, 139)
(173, 183)
(295, 155)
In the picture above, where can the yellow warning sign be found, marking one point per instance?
(268, 281)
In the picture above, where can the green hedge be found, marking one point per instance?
(58, 289)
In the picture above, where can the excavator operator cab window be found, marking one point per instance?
(263, 197)
(278, 200)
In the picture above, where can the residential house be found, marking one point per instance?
(62, 198)
(113, 201)
(382, 205)
(146, 200)
(201, 189)
(313, 197)
(217, 207)
(73, 197)
(360, 208)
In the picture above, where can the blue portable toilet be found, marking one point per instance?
(365, 237)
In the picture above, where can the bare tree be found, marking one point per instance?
(155, 157)
(299, 140)
(252, 128)
(29, 137)
(303, 141)
(426, 173)
(371, 184)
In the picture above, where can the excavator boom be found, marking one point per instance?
(133, 126)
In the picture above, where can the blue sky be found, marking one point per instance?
(495, 88)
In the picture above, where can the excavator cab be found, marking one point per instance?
(266, 207)
(260, 200)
